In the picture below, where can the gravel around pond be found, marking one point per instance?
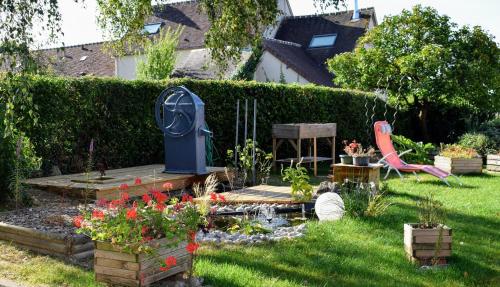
(50, 212)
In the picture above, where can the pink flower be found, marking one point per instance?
(123, 187)
(102, 202)
(138, 181)
(125, 197)
(167, 186)
(222, 198)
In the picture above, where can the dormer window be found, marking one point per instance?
(323, 41)
(151, 28)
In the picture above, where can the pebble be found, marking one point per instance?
(280, 233)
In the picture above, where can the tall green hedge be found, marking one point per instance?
(119, 115)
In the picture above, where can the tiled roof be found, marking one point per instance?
(79, 60)
(68, 61)
(301, 29)
(294, 56)
(187, 14)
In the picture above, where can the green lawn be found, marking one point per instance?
(350, 252)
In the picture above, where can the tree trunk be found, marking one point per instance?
(422, 117)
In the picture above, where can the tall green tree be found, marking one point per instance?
(159, 54)
(420, 57)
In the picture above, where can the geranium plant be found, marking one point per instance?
(355, 149)
(133, 226)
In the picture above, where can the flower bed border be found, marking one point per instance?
(420, 244)
(493, 162)
(72, 247)
(113, 266)
(459, 165)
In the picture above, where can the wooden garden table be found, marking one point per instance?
(295, 133)
(365, 174)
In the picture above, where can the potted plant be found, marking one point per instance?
(428, 242)
(457, 159)
(297, 176)
(349, 149)
(141, 242)
(362, 156)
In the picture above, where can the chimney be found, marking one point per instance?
(355, 14)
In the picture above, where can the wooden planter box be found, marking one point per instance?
(113, 266)
(74, 247)
(459, 165)
(493, 162)
(421, 244)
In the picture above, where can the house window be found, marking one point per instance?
(151, 28)
(322, 41)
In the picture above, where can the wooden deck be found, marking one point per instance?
(258, 194)
(75, 185)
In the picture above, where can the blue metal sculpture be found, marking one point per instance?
(180, 114)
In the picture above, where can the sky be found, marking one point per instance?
(79, 24)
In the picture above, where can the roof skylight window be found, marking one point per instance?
(323, 41)
(151, 28)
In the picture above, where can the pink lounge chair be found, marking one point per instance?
(392, 161)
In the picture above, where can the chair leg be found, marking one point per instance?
(445, 181)
(400, 175)
(416, 175)
(458, 180)
(388, 171)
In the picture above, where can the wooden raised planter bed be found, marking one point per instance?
(493, 162)
(421, 245)
(459, 165)
(113, 266)
(75, 247)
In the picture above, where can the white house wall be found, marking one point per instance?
(126, 66)
(285, 9)
(270, 68)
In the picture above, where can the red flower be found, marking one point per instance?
(192, 247)
(98, 214)
(77, 221)
(213, 197)
(187, 198)
(169, 262)
(138, 181)
(123, 186)
(131, 214)
(144, 230)
(147, 238)
(222, 198)
(160, 206)
(146, 198)
(168, 186)
(125, 197)
(115, 203)
(160, 197)
(102, 202)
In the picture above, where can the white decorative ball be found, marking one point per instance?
(329, 206)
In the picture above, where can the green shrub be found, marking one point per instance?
(363, 200)
(477, 141)
(420, 151)
(491, 129)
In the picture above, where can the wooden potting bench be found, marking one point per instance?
(296, 133)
